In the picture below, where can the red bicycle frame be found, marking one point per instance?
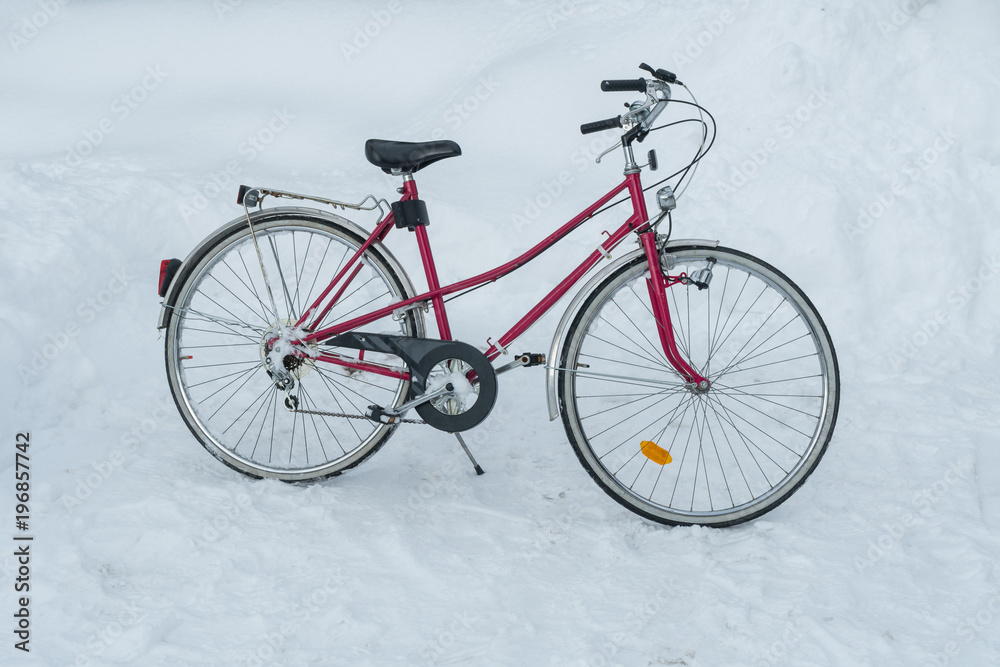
(637, 222)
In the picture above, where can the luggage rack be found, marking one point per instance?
(248, 197)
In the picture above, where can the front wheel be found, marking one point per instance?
(672, 452)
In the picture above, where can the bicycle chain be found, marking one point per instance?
(347, 416)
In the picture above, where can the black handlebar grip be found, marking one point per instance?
(598, 125)
(617, 85)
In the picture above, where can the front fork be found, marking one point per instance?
(657, 286)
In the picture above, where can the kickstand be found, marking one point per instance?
(479, 471)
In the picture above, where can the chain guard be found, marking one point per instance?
(421, 355)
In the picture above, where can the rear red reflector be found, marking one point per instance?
(168, 268)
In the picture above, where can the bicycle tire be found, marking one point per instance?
(227, 345)
(627, 362)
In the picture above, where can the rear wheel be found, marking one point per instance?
(673, 453)
(218, 339)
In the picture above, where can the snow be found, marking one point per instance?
(858, 151)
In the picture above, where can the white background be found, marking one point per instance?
(875, 187)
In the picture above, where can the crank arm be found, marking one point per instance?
(420, 400)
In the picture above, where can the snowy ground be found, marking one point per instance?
(859, 151)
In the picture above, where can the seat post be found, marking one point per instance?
(409, 186)
(409, 191)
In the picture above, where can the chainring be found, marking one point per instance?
(424, 357)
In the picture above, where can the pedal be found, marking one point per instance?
(378, 414)
(531, 358)
(522, 360)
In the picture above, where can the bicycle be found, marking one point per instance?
(696, 383)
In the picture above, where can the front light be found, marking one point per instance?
(665, 198)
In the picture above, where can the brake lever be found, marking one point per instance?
(598, 160)
(661, 74)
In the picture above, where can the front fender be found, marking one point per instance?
(558, 339)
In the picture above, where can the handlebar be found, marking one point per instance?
(620, 85)
(598, 125)
(642, 115)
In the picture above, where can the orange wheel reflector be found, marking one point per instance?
(655, 453)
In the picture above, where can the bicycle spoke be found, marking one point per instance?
(774, 419)
(742, 317)
(621, 379)
(616, 407)
(271, 404)
(235, 391)
(632, 437)
(225, 345)
(732, 413)
(721, 389)
(240, 416)
(648, 358)
(263, 314)
(771, 363)
(680, 339)
(642, 333)
(323, 420)
(747, 441)
(281, 274)
(737, 360)
(680, 468)
(718, 457)
(614, 361)
(722, 329)
(322, 259)
(251, 287)
(644, 303)
(229, 384)
(226, 363)
(245, 304)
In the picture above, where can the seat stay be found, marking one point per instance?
(377, 236)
